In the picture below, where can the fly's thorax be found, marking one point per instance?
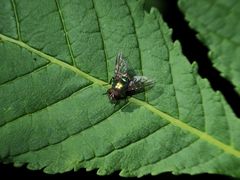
(121, 84)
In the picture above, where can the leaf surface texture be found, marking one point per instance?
(56, 59)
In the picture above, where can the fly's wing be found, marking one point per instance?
(139, 84)
(121, 67)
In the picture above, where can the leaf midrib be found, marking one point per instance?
(53, 60)
(176, 122)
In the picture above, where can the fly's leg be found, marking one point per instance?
(111, 80)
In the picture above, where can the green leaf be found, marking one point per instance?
(56, 59)
(218, 27)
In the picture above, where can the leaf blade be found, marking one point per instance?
(85, 130)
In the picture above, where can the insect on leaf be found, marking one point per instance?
(125, 82)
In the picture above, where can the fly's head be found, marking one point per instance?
(113, 94)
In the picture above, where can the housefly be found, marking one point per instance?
(125, 82)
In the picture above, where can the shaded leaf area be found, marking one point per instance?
(218, 27)
(58, 57)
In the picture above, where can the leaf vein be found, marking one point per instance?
(133, 142)
(65, 32)
(49, 105)
(92, 126)
(137, 40)
(102, 39)
(181, 149)
(205, 162)
(23, 75)
(53, 60)
(16, 19)
(74, 134)
(170, 68)
(167, 156)
(228, 125)
(217, 34)
(178, 123)
(202, 107)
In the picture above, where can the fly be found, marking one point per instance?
(125, 82)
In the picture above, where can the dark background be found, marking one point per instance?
(194, 50)
(8, 171)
